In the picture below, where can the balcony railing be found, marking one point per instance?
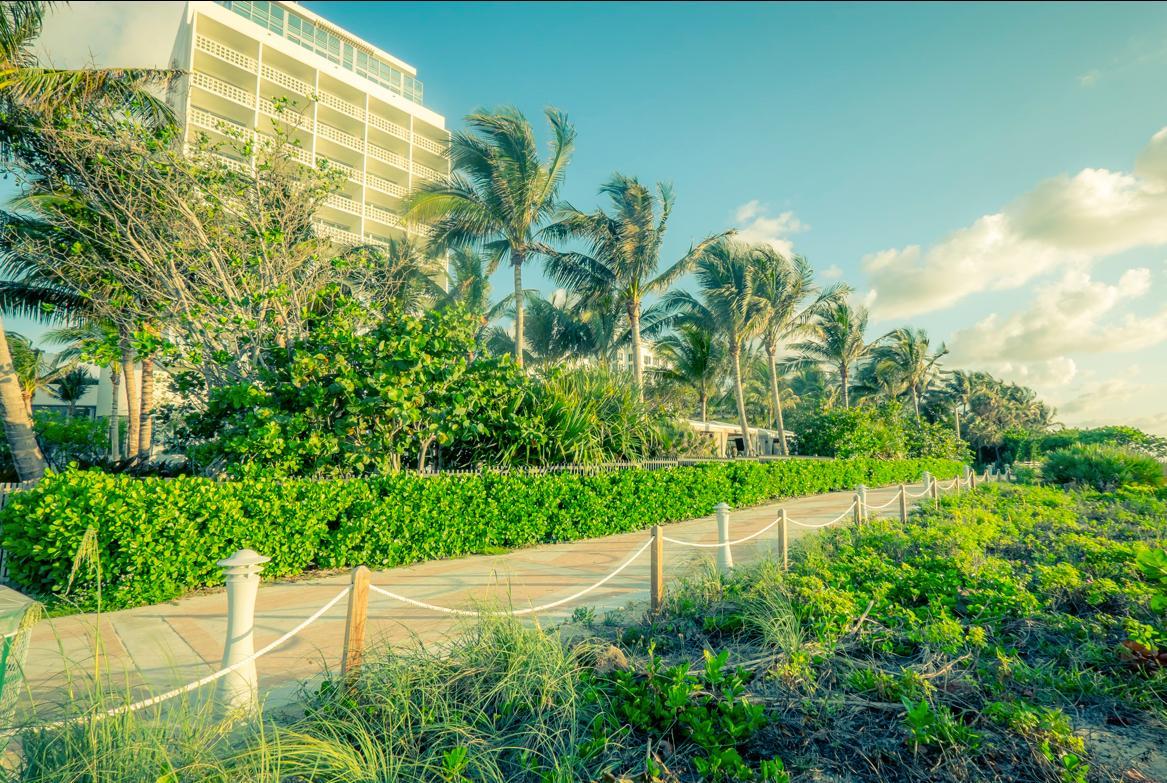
(342, 106)
(337, 234)
(425, 172)
(288, 115)
(385, 156)
(427, 144)
(382, 216)
(392, 128)
(226, 53)
(223, 89)
(286, 81)
(339, 136)
(384, 186)
(205, 119)
(343, 204)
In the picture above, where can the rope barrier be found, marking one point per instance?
(727, 543)
(839, 518)
(870, 507)
(530, 610)
(190, 686)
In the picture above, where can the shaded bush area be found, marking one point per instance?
(1101, 467)
(158, 538)
(886, 430)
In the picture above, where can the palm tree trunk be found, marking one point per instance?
(26, 452)
(637, 362)
(146, 408)
(133, 409)
(956, 418)
(704, 397)
(776, 400)
(518, 264)
(843, 383)
(739, 394)
(115, 446)
(916, 402)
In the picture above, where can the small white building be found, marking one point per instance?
(97, 401)
(727, 438)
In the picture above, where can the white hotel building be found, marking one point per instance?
(361, 107)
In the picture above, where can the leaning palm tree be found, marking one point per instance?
(904, 355)
(837, 339)
(499, 194)
(623, 252)
(694, 360)
(790, 301)
(729, 305)
(31, 95)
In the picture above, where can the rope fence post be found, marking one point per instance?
(724, 555)
(972, 479)
(903, 503)
(783, 540)
(861, 501)
(656, 571)
(354, 625)
(240, 688)
(857, 516)
(933, 488)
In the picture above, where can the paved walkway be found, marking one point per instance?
(150, 649)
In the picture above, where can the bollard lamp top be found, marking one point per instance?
(721, 507)
(243, 561)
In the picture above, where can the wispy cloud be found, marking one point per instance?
(130, 35)
(1064, 222)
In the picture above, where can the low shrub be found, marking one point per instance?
(1101, 467)
(886, 431)
(158, 538)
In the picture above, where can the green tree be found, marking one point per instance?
(790, 300)
(729, 305)
(837, 339)
(623, 252)
(70, 387)
(695, 360)
(905, 355)
(32, 96)
(499, 194)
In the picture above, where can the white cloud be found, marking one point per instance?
(1065, 222)
(832, 272)
(1090, 78)
(756, 225)
(1100, 403)
(1075, 315)
(129, 35)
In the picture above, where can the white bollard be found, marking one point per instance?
(724, 556)
(239, 690)
(861, 498)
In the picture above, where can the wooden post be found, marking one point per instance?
(657, 571)
(858, 515)
(354, 627)
(972, 479)
(903, 503)
(861, 502)
(934, 488)
(783, 540)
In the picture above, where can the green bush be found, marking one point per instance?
(158, 538)
(1101, 467)
(64, 441)
(886, 431)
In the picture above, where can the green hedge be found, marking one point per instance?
(159, 538)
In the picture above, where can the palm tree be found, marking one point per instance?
(400, 274)
(695, 360)
(35, 370)
(499, 194)
(29, 96)
(97, 341)
(790, 301)
(729, 305)
(623, 252)
(561, 328)
(837, 340)
(71, 387)
(904, 355)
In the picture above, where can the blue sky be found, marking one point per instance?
(1000, 140)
